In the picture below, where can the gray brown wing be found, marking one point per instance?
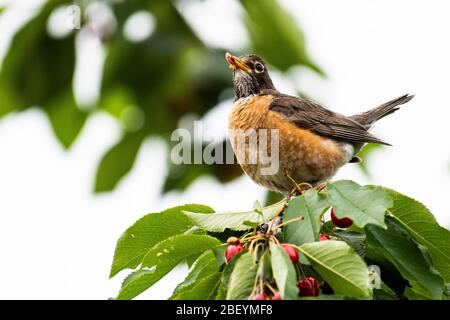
(309, 115)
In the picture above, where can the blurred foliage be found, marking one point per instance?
(365, 154)
(162, 79)
(275, 35)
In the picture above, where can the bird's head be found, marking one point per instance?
(250, 75)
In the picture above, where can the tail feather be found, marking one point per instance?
(369, 117)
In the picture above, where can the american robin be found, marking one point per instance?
(314, 142)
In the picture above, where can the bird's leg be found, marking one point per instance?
(297, 188)
(290, 194)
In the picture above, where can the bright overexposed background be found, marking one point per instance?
(57, 238)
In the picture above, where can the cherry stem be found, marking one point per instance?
(271, 288)
(274, 239)
(287, 222)
(255, 237)
(300, 270)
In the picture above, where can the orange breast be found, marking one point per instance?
(306, 156)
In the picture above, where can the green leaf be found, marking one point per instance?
(191, 79)
(139, 281)
(283, 272)
(204, 289)
(204, 266)
(221, 292)
(268, 24)
(219, 253)
(365, 155)
(36, 68)
(311, 205)
(116, 100)
(384, 293)
(162, 258)
(353, 239)
(340, 266)
(178, 248)
(257, 207)
(243, 278)
(272, 197)
(361, 204)
(218, 222)
(66, 118)
(419, 221)
(379, 294)
(410, 258)
(117, 162)
(416, 292)
(226, 274)
(147, 232)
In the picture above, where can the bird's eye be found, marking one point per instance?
(259, 67)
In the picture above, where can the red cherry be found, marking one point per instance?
(324, 237)
(260, 296)
(277, 296)
(341, 223)
(293, 254)
(309, 287)
(232, 250)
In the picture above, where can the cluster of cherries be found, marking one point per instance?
(308, 286)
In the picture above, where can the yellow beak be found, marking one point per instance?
(236, 63)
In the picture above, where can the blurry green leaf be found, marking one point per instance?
(419, 221)
(411, 259)
(275, 35)
(167, 76)
(366, 152)
(340, 266)
(243, 278)
(283, 272)
(66, 118)
(311, 205)
(218, 222)
(116, 100)
(147, 232)
(37, 68)
(117, 162)
(181, 176)
(361, 204)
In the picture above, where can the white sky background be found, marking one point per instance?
(57, 238)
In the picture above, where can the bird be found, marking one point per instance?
(313, 141)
